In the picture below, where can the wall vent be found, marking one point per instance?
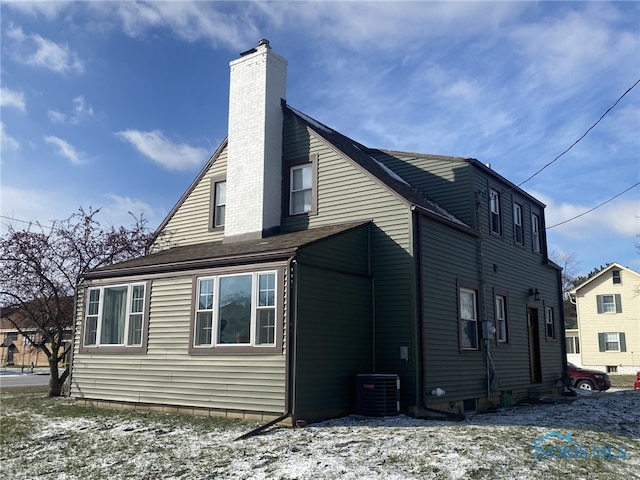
(377, 395)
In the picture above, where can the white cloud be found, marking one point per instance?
(79, 112)
(7, 142)
(12, 98)
(118, 210)
(37, 51)
(619, 217)
(155, 146)
(190, 21)
(65, 149)
(48, 9)
(56, 117)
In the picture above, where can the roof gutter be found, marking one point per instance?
(457, 226)
(190, 264)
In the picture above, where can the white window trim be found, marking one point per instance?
(517, 223)
(549, 319)
(613, 303)
(535, 233)
(292, 169)
(617, 334)
(128, 315)
(216, 205)
(474, 319)
(501, 319)
(254, 309)
(495, 210)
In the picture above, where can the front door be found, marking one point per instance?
(534, 345)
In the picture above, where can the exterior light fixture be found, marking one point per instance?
(533, 292)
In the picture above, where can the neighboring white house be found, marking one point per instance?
(608, 306)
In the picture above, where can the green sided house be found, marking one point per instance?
(301, 270)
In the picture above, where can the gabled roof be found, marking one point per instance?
(219, 253)
(363, 157)
(602, 272)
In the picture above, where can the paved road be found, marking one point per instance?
(11, 378)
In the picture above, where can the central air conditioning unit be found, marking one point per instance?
(377, 395)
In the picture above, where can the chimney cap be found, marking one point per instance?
(263, 41)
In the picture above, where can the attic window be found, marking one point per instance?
(301, 187)
(616, 276)
(218, 202)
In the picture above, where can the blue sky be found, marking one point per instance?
(118, 105)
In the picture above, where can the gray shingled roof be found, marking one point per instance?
(222, 253)
(364, 157)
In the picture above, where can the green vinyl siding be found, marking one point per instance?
(347, 193)
(444, 180)
(190, 223)
(168, 375)
(334, 340)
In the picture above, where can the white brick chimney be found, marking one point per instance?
(254, 162)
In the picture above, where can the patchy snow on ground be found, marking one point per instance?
(499, 445)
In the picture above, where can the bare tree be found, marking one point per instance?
(41, 267)
(569, 263)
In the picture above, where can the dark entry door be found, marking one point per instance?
(534, 345)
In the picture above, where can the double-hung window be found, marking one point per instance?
(301, 185)
(612, 342)
(573, 345)
(518, 232)
(115, 316)
(236, 310)
(616, 276)
(301, 189)
(535, 233)
(495, 212)
(468, 306)
(218, 202)
(611, 303)
(501, 318)
(550, 322)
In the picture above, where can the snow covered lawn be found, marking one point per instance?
(52, 439)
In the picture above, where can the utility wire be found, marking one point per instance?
(597, 206)
(583, 135)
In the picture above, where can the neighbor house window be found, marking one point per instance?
(550, 322)
(115, 316)
(218, 202)
(518, 232)
(573, 345)
(616, 276)
(501, 318)
(496, 216)
(301, 185)
(468, 319)
(612, 342)
(238, 310)
(535, 233)
(609, 303)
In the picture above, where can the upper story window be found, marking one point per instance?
(301, 188)
(535, 233)
(495, 211)
(616, 276)
(501, 318)
(468, 307)
(609, 303)
(235, 310)
(518, 231)
(115, 316)
(218, 202)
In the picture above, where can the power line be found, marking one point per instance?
(597, 206)
(584, 134)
